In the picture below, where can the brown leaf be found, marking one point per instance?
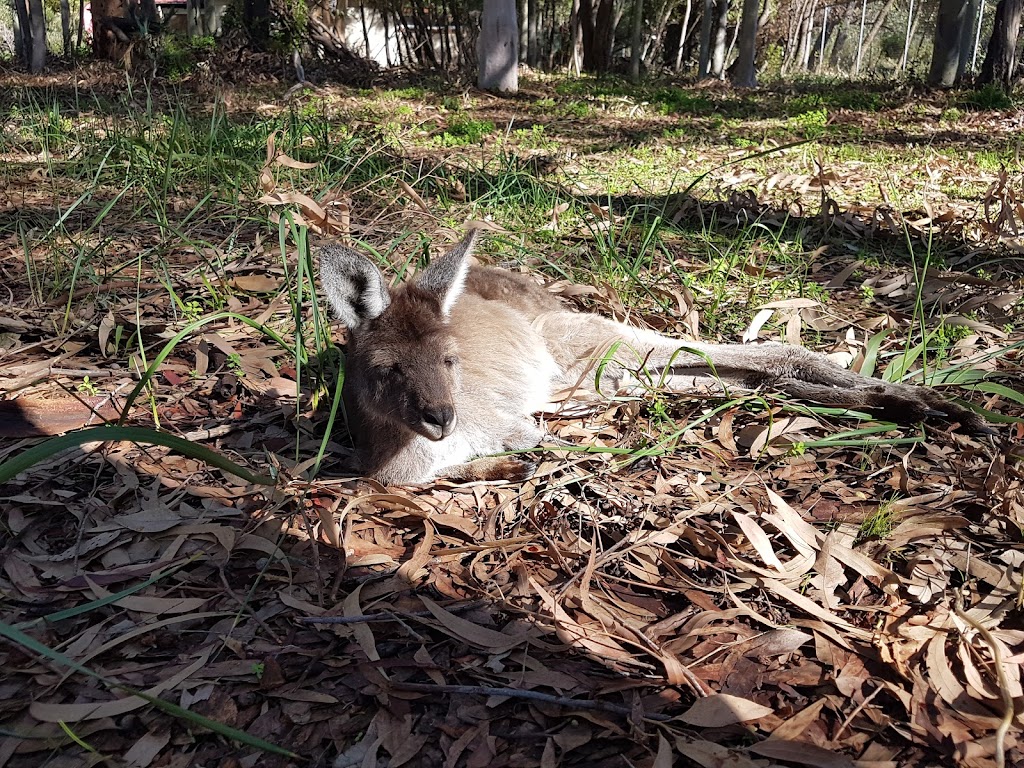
(721, 709)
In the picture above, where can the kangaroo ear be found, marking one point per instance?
(353, 284)
(445, 277)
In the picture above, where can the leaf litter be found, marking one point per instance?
(713, 592)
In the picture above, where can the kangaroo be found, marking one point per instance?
(451, 366)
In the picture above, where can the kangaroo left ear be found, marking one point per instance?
(445, 277)
(353, 284)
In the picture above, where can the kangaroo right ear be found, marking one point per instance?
(445, 277)
(353, 284)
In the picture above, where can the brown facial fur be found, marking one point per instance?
(404, 370)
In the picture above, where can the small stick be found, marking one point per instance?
(366, 618)
(518, 693)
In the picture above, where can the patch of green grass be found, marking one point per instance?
(668, 101)
(810, 124)
(463, 130)
(990, 96)
(411, 92)
(576, 109)
(950, 116)
(880, 524)
(533, 138)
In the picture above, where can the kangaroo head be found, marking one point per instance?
(403, 362)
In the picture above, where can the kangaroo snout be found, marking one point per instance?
(438, 422)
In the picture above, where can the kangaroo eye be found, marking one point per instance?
(451, 361)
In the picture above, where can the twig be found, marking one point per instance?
(518, 693)
(367, 618)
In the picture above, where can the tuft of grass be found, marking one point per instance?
(990, 96)
(880, 524)
(464, 130)
(810, 124)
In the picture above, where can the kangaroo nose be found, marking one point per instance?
(441, 419)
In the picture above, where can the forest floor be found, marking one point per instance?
(743, 581)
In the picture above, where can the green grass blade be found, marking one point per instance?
(16, 636)
(142, 435)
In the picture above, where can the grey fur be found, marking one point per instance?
(353, 284)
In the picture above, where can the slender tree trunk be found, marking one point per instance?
(587, 33)
(876, 26)
(654, 43)
(576, 38)
(721, 38)
(977, 37)
(704, 67)
(81, 24)
(730, 50)
(636, 40)
(906, 42)
(604, 36)
(65, 26)
(548, 26)
(860, 37)
(523, 15)
(745, 73)
(532, 32)
(949, 25)
(22, 37)
(794, 27)
(37, 31)
(682, 35)
(498, 47)
(842, 26)
(818, 48)
(1001, 59)
(966, 37)
(808, 40)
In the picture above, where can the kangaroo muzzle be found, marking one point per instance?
(438, 422)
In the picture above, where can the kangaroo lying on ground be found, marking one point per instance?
(452, 366)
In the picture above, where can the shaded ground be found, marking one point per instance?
(747, 582)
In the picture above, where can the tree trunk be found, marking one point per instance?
(576, 37)
(721, 38)
(860, 37)
(498, 47)
(977, 37)
(683, 28)
(704, 67)
(22, 38)
(794, 26)
(906, 42)
(807, 45)
(65, 26)
(602, 39)
(1001, 59)
(745, 73)
(966, 39)
(587, 25)
(949, 24)
(532, 32)
(842, 26)
(636, 40)
(37, 31)
(655, 42)
(876, 25)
